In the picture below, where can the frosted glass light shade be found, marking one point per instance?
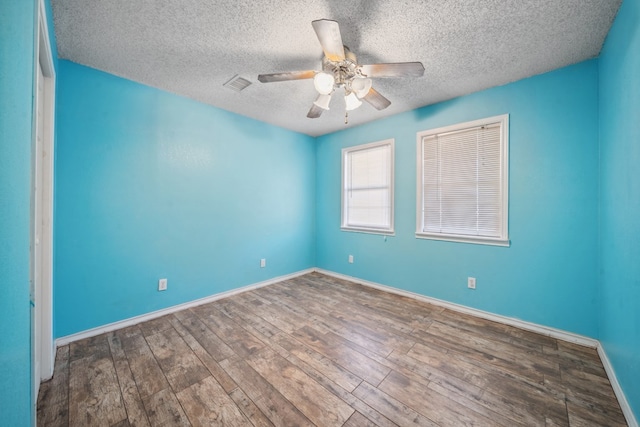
(352, 102)
(322, 101)
(361, 86)
(324, 83)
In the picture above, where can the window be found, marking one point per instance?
(463, 182)
(367, 187)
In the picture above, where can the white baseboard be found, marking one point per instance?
(613, 379)
(533, 327)
(159, 313)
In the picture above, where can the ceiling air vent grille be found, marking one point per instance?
(237, 83)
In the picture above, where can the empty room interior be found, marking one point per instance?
(360, 213)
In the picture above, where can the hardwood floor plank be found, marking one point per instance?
(249, 409)
(207, 404)
(573, 360)
(207, 360)
(207, 338)
(599, 405)
(164, 410)
(322, 364)
(337, 390)
(587, 383)
(462, 383)
(351, 298)
(154, 326)
(96, 347)
(389, 336)
(270, 401)
(583, 417)
(53, 402)
(402, 309)
(501, 356)
(391, 408)
(94, 393)
(285, 318)
(237, 311)
(315, 402)
(145, 369)
(351, 360)
(136, 415)
(527, 337)
(180, 366)
(234, 336)
(499, 391)
(437, 407)
(359, 420)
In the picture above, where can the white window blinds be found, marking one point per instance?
(367, 192)
(463, 182)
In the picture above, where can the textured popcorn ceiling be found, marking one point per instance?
(193, 47)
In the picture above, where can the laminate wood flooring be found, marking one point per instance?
(316, 350)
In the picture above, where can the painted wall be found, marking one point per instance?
(17, 26)
(549, 274)
(150, 185)
(620, 194)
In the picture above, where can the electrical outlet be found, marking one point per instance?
(471, 282)
(263, 263)
(162, 284)
(350, 259)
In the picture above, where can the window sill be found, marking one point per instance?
(465, 239)
(369, 231)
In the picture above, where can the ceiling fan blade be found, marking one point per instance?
(393, 69)
(378, 101)
(283, 77)
(315, 112)
(328, 33)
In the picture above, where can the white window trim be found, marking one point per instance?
(371, 230)
(504, 135)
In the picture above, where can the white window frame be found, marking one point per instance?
(389, 231)
(503, 239)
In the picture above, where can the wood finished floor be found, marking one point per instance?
(316, 350)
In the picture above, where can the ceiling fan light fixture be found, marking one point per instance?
(322, 101)
(361, 86)
(323, 83)
(351, 101)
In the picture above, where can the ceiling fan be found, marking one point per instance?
(340, 70)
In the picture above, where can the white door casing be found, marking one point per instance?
(43, 351)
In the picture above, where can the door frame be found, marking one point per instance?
(44, 59)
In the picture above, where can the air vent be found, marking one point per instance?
(237, 83)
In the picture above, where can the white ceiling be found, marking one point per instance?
(192, 47)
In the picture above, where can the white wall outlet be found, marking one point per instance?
(471, 282)
(350, 259)
(263, 263)
(162, 284)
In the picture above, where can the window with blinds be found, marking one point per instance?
(463, 182)
(367, 187)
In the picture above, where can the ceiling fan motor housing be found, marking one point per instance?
(343, 71)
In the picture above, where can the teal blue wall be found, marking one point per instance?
(620, 194)
(549, 274)
(152, 185)
(17, 29)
